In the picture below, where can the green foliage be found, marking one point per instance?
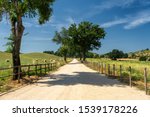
(78, 40)
(87, 36)
(116, 54)
(49, 52)
(65, 41)
(137, 72)
(27, 8)
(143, 58)
(15, 10)
(92, 55)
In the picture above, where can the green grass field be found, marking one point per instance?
(137, 71)
(31, 58)
(137, 67)
(26, 59)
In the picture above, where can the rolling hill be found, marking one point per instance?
(30, 58)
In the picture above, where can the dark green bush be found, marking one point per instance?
(143, 58)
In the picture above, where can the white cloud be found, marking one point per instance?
(106, 5)
(114, 3)
(113, 23)
(140, 19)
(131, 21)
(137, 22)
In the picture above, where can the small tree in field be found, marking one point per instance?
(15, 11)
(116, 54)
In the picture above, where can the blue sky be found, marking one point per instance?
(127, 24)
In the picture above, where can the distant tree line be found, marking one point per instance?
(58, 53)
(142, 55)
(115, 54)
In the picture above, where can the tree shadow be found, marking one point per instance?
(86, 78)
(74, 63)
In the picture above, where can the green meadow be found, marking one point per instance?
(137, 71)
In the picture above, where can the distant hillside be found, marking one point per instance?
(30, 58)
(140, 53)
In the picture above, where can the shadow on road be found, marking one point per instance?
(86, 78)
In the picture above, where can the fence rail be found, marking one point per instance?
(115, 71)
(28, 70)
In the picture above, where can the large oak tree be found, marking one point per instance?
(15, 10)
(87, 36)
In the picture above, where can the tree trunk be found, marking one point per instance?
(84, 55)
(65, 58)
(17, 32)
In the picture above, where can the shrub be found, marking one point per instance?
(143, 58)
(136, 76)
(125, 74)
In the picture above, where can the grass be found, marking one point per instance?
(137, 72)
(26, 59)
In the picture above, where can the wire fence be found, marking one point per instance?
(129, 75)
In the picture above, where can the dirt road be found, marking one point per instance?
(75, 81)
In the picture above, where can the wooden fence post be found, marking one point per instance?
(105, 68)
(130, 77)
(40, 70)
(102, 68)
(29, 71)
(145, 79)
(121, 72)
(99, 67)
(108, 69)
(48, 68)
(36, 70)
(114, 69)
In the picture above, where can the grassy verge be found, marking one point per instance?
(137, 70)
(6, 83)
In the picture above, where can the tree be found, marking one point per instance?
(116, 54)
(87, 36)
(63, 51)
(49, 52)
(16, 10)
(143, 58)
(64, 40)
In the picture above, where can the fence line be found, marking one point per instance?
(111, 71)
(28, 70)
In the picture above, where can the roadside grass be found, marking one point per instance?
(6, 82)
(137, 72)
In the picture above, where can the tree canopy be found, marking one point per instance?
(15, 10)
(78, 40)
(87, 36)
(115, 53)
(64, 40)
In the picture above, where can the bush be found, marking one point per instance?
(143, 58)
(136, 76)
(125, 74)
